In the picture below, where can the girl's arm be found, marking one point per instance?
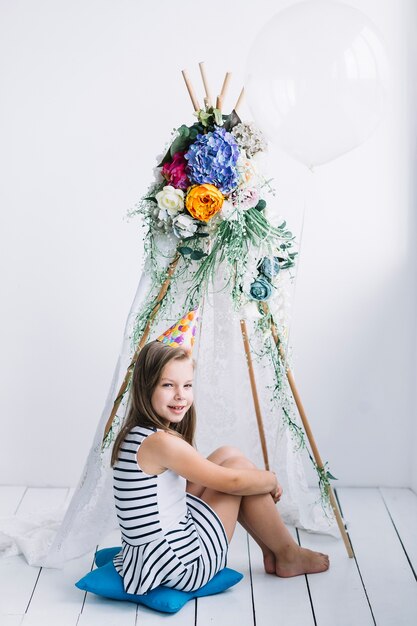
(171, 452)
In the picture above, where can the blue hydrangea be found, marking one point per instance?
(212, 159)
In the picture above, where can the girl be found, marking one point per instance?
(178, 510)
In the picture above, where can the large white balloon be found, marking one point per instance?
(317, 79)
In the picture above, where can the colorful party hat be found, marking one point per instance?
(182, 333)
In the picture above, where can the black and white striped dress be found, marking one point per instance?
(169, 537)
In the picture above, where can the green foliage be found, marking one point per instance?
(231, 120)
(261, 205)
(193, 253)
(186, 136)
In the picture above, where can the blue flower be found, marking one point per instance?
(261, 289)
(270, 268)
(212, 159)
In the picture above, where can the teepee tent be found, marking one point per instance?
(209, 244)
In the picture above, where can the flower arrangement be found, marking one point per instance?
(210, 195)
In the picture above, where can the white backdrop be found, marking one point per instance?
(90, 92)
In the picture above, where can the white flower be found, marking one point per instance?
(170, 200)
(249, 137)
(228, 211)
(251, 271)
(184, 226)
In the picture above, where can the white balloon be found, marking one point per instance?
(317, 80)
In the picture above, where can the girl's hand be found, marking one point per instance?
(276, 492)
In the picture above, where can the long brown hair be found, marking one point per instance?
(146, 374)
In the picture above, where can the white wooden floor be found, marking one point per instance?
(378, 586)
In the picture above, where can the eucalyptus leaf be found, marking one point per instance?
(329, 475)
(185, 250)
(196, 255)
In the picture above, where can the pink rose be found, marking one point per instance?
(245, 197)
(174, 172)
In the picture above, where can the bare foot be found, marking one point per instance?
(297, 560)
(269, 562)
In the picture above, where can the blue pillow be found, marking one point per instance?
(106, 581)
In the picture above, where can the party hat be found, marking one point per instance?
(182, 333)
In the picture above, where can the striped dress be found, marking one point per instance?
(169, 537)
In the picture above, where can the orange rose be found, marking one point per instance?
(204, 201)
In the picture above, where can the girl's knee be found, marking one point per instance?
(238, 461)
(224, 452)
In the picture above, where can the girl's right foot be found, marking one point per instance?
(297, 560)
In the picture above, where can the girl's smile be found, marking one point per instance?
(173, 395)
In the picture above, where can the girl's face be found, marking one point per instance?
(173, 394)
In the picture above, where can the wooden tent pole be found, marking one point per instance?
(254, 393)
(122, 390)
(207, 99)
(239, 100)
(190, 90)
(309, 433)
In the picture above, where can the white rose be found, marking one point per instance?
(184, 226)
(170, 200)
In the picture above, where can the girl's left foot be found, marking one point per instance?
(296, 560)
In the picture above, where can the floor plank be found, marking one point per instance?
(381, 523)
(11, 620)
(337, 595)
(99, 611)
(223, 608)
(56, 600)
(387, 576)
(15, 598)
(283, 601)
(402, 506)
(10, 498)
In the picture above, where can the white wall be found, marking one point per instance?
(91, 90)
(412, 156)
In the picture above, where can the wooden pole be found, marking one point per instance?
(309, 432)
(254, 393)
(239, 100)
(225, 86)
(122, 390)
(207, 99)
(190, 91)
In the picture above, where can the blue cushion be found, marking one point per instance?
(106, 581)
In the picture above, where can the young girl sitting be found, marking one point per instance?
(178, 510)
